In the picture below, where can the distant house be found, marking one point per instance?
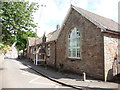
(86, 42)
(32, 42)
(12, 52)
(45, 48)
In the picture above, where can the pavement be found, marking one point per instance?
(71, 80)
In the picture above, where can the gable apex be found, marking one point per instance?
(100, 21)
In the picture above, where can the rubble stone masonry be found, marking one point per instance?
(110, 54)
(92, 53)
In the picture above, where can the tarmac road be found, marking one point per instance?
(16, 75)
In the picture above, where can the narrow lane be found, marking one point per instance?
(17, 75)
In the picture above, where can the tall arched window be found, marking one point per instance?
(74, 44)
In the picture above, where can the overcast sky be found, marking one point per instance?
(53, 12)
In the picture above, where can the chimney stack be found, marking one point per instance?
(58, 27)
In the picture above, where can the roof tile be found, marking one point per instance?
(100, 20)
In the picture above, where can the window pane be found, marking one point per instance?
(78, 33)
(78, 52)
(74, 33)
(48, 49)
(69, 52)
(74, 52)
(74, 43)
(70, 43)
(78, 42)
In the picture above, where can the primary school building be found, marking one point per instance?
(86, 42)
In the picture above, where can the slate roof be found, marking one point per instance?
(33, 40)
(52, 36)
(100, 21)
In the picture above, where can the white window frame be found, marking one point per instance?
(74, 47)
(31, 50)
(48, 50)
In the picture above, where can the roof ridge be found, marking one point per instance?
(52, 32)
(94, 13)
(99, 20)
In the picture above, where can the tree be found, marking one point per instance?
(4, 48)
(23, 37)
(17, 22)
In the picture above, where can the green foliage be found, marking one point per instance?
(1, 46)
(17, 22)
(23, 37)
(4, 48)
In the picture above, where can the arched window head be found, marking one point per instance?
(74, 43)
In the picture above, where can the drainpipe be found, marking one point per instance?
(36, 58)
(55, 54)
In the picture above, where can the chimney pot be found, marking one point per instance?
(58, 27)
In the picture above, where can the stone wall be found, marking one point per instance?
(110, 54)
(92, 53)
(51, 59)
(30, 55)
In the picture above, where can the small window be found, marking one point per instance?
(48, 49)
(74, 44)
(31, 50)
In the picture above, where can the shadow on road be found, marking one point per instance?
(54, 74)
(51, 72)
(29, 70)
(2, 69)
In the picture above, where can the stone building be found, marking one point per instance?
(86, 42)
(45, 48)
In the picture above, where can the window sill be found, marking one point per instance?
(48, 56)
(73, 59)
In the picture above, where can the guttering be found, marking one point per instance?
(55, 54)
(111, 31)
(50, 41)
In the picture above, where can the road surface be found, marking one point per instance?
(14, 74)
